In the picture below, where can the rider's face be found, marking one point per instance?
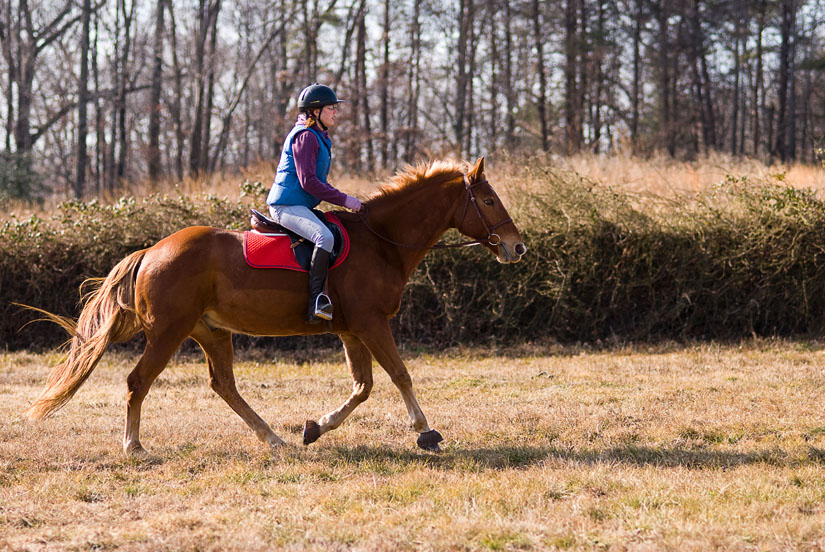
(327, 116)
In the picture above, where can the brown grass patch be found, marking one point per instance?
(664, 448)
(657, 177)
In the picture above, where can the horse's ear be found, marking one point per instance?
(477, 171)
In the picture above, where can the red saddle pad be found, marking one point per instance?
(275, 251)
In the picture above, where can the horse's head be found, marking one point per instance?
(484, 218)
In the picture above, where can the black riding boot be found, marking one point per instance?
(320, 306)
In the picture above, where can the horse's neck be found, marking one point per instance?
(416, 218)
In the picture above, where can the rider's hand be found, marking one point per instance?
(352, 203)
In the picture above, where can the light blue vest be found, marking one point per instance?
(287, 190)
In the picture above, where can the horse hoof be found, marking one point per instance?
(276, 443)
(429, 440)
(135, 451)
(311, 432)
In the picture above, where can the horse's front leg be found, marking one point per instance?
(380, 342)
(359, 361)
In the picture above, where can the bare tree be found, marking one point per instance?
(175, 106)
(784, 145)
(82, 101)
(413, 83)
(384, 86)
(510, 93)
(153, 153)
(571, 69)
(24, 42)
(365, 136)
(465, 25)
(664, 75)
(638, 23)
(207, 19)
(758, 85)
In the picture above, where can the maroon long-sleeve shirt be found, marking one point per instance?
(305, 148)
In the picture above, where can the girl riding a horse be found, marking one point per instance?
(301, 184)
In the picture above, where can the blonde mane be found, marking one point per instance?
(412, 175)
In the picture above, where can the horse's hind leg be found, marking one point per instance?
(155, 357)
(359, 361)
(217, 346)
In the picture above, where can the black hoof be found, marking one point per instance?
(311, 432)
(429, 440)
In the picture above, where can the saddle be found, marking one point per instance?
(270, 245)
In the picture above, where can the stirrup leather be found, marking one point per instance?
(323, 307)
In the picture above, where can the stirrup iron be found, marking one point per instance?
(323, 307)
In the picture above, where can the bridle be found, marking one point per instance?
(492, 238)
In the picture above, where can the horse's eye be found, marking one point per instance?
(489, 202)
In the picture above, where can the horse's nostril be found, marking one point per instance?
(520, 249)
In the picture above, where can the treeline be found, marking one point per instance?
(98, 93)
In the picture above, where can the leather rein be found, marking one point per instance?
(470, 199)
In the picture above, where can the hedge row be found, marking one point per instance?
(746, 258)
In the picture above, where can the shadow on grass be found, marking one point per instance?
(523, 457)
(390, 460)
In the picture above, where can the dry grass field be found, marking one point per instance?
(643, 448)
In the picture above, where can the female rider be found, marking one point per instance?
(301, 184)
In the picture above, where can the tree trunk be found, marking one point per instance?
(596, 100)
(310, 41)
(465, 26)
(805, 138)
(366, 137)
(637, 75)
(153, 153)
(109, 157)
(413, 79)
(207, 11)
(666, 127)
(701, 78)
(710, 114)
(121, 105)
(283, 83)
(784, 78)
(584, 50)
(22, 128)
(758, 86)
(100, 135)
(469, 133)
(176, 105)
(210, 93)
(571, 92)
(82, 103)
(510, 123)
(745, 82)
(790, 132)
(492, 11)
(10, 34)
(737, 70)
(384, 84)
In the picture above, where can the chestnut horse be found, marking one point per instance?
(196, 284)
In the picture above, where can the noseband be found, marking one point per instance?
(492, 239)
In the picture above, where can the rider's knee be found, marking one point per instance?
(324, 239)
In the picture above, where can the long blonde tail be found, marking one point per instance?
(108, 316)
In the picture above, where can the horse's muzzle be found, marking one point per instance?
(510, 254)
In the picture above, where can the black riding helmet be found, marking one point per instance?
(317, 95)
